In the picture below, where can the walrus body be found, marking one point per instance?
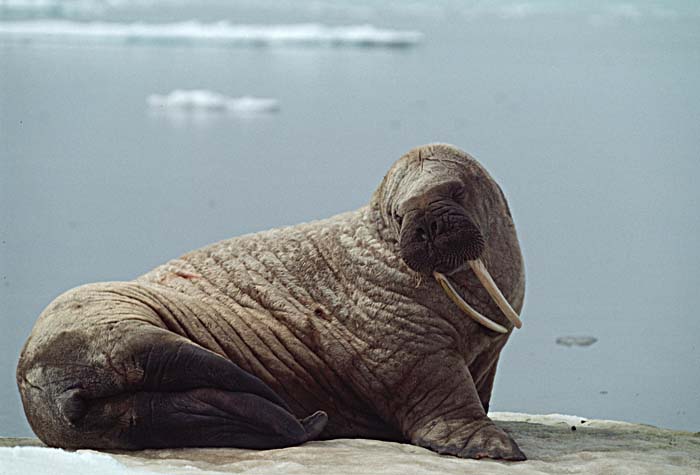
(233, 344)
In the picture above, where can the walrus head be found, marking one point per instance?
(438, 200)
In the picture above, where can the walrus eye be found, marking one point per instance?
(398, 218)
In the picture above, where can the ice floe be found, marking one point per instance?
(216, 33)
(194, 100)
(576, 340)
(596, 447)
(44, 460)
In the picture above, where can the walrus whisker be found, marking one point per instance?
(487, 281)
(464, 306)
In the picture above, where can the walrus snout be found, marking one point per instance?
(439, 239)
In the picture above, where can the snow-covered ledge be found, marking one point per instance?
(554, 444)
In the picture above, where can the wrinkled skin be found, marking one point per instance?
(240, 343)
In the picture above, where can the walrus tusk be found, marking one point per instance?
(466, 308)
(485, 278)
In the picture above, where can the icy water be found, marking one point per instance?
(589, 118)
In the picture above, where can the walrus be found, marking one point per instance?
(386, 322)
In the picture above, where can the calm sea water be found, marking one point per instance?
(589, 119)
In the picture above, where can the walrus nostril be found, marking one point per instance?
(428, 232)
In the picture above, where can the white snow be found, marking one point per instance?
(220, 32)
(595, 447)
(204, 100)
(564, 420)
(42, 460)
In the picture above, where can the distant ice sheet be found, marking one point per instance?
(217, 33)
(202, 100)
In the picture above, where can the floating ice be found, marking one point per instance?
(57, 8)
(597, 13)
(576, 340)
(596, 447)
(217, 33)
(203, 100)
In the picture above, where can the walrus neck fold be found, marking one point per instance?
(380, 224)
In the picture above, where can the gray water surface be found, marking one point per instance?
(591, 127)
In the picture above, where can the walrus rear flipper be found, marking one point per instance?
(187, 397)
(130, 384)
(203, 417)
(180, 405)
